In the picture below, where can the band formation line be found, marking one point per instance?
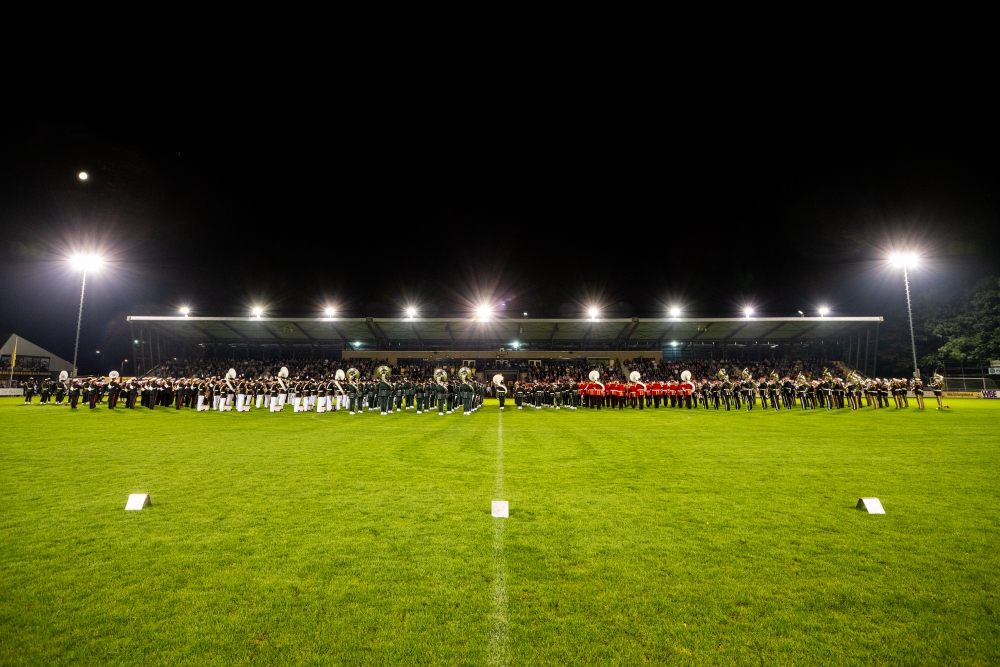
(385, 394)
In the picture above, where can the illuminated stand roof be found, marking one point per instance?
(403, 333)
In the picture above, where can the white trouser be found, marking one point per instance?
(281, 400)
(240, 400)
(260, 398)
(201, 403)
(267, 400)
(229, 401)
(275, 404)
(310, 401)
(329, 403)
(321, 404)
(295, 403)
(215, 401)
(341, 402)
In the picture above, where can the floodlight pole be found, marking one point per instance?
(79, 321)
(909, 310)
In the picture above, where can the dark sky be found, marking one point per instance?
(552, 203)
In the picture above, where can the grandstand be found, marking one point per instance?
(505, 344)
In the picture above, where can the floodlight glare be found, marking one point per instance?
(86, 262)
(257, 312)
(675, 312)
(526, 314)
(515, 344)
(748, 311)
(411, 312)
(823, 311)
(483, 312)
(83, 175)
(329, 312)
(592, 312)
(185, 310)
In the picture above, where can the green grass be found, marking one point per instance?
(655, 537)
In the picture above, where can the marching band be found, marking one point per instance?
(385, 394)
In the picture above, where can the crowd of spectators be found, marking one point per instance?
(548, 370)
(652, 369)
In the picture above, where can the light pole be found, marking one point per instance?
(905, 261)
(86, 263)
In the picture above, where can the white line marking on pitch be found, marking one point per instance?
(498, 652)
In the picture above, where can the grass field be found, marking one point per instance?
(682, 537)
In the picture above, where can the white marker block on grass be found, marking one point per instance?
(137, 501)
(500, 509)
(871, 504)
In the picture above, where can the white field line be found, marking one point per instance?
(498, 652)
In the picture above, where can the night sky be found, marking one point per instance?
(551, 204)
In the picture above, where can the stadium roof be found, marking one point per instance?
(418, 333)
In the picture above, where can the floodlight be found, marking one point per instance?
(329, 312)
(411, 312)
(357, 343)
(185, 310)
(748, 311)
(526, 314)
(823, 311)
(592, 312)
(483, 312)
(675, 312)
(86, 262)
(83, 175)
(515, 344)
(257, 312)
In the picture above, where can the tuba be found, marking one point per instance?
(383, 373)
(352, 375)
(464, 372)
(441, 376)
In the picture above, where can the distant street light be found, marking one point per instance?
(84, 263)
(330, 312)
(908, 260)
(83, 176)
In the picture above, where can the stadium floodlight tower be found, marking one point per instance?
(908, 260)
(85, 263)
(483, 313)
(593, 313)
